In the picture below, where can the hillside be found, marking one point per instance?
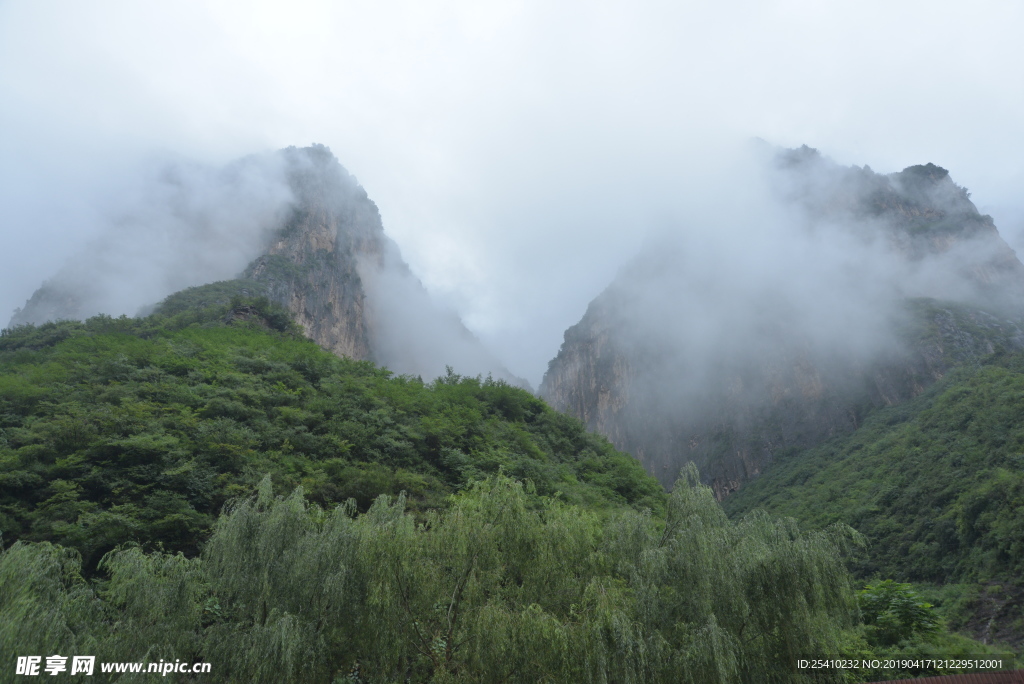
(231, 480)
(937, 487)
(139, 430)
(205, 485)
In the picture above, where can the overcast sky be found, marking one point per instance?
(518, 151)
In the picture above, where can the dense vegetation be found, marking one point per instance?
(117, 430)
(503, 585)
(204, 484)
(937, 487)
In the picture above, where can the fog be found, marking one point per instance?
(798, 270)
(413, 334)
(173, 226)
(774, 321)
(520, 153)
(183, 224)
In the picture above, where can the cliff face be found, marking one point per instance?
(673, 371)
(347, 285)
(311, 267)
(787, 398)
(309, 249)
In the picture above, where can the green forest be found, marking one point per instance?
(937, 487)
(206, 485)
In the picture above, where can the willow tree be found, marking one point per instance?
(288, 590)
(722, 601)
(46, 607)
(502, 585)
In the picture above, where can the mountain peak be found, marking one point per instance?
(848, 289)
(927, 171)
(298, 224)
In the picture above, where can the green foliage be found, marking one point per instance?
(893, 612)
(139, 430)
(936, 485)
(899, 625)
(44, 602)
(209, 296)
(502, 585)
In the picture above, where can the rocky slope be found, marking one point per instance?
(679, 361)
(312, 265)
(346, 283)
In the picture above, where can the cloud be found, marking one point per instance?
(412, 333)
(537, 142)
(174, 226)
(809, 266)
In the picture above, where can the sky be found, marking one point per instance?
(519, 152)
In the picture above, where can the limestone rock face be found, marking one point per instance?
(678, 362)
(346, 283)
(311, 267)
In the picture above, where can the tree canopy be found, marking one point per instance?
(502, 585)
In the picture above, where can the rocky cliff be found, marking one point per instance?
(681, 360)
(311, 266)
(346, 283)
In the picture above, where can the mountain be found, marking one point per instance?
(205, 485)
(788, 323)
(319, 250)
(312, 265)
(919, 213)
(208, 480)
(936, 484)
(139, 429)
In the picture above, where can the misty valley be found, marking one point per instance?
(238, 430)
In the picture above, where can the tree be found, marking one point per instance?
(893, 613)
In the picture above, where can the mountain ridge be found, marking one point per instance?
(749, 375)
